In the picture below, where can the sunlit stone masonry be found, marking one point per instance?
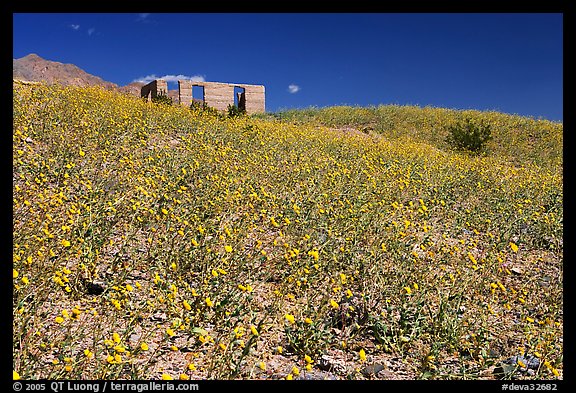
(217, 95)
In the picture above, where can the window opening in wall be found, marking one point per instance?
(198, 93)
(240, 98)
(198, 97)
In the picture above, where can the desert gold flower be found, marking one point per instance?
(144, 346)
(15, 376)
(514, 247)
(521, 363)
(119, 348)
(209, 302)
(253, 330)
(228, 248)
(289, 318)
(167, 377)
(314, 254)
(362, 355)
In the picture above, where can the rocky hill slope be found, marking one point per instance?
(34, 68)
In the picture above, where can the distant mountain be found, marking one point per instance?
(132, 88)
(33, 68)
(36, 69)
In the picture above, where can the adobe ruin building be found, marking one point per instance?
(216, 95)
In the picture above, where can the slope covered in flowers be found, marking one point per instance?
(153, 241)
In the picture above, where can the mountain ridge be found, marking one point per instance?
(34, 68)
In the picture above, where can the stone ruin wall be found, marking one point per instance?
(216, 95)
(154, 88)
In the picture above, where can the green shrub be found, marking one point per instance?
(162, 98)
(201, 106)
(469, 135)
(234, 111)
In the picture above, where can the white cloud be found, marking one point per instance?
(292, 89)
(91, 31)
(170, 78)
(74, 27)
(145, 18)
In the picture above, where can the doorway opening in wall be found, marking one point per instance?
(240, 98)
(198, 98)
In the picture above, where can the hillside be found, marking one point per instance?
(159, 242)
(36, 69)
(531, 141)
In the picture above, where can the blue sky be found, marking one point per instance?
(509, 62)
